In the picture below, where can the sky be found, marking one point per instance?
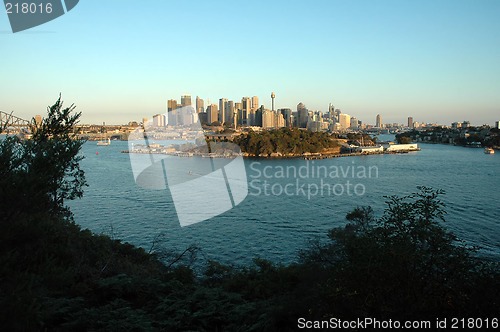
(121, 60)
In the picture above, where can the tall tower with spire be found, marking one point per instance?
(272, 98)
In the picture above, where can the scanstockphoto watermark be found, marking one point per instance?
(309, 180)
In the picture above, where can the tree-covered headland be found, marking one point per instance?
(54, 276)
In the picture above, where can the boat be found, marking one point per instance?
(489, 151)
(104, 142)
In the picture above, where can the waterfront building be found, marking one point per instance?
(497, 125)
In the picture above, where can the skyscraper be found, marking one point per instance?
(255, 102)
(230, 111)
(212, 114)
(303, 116)
(200, 105)
(344, 121)
(172, 112)
(223, 106)
(378, 121)
(410, 122)
(186, 100)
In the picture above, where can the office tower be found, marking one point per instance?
(239, 108)
(222, 110)
(230, 111)
(246, 103)
(159, 120)
(172, 112)
(186, 100)
(344, 121)
(378, 121)
(255, 103)
(268, 119)
(303, 116)
(272, 98)
(200, 105)
(353, 123)
(410, 122)
(287, 116)
(279, 121)
(212, 114)
(497, 124)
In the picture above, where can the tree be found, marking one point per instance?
(403, 264)
(41, 173)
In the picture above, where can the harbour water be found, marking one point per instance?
(277, 223)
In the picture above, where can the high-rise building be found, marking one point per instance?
(287, 116)
(223, 110)
(378, 121)
(186, 100)
(353, 123)
(200, 105)
(302, 116)
(268, 119)
(497, 125)
(344, 121)
(230, 111)
(410, 122)
(255, 103)
(212, 114)
(159, 120)
(172, 112)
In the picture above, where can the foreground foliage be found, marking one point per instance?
(55, 276)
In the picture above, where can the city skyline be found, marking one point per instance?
(435, 62)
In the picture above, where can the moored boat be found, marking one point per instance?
(489, 151)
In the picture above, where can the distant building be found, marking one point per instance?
(255, 103)
(354, 123)
(465, 124)
(344, 121)
(267, 119)
(223, 110)
(159, 120)
(186, 100)
(287, 116)
(378, 121)
(410, 122)
(200, 105)
(497, 125)
(172, 112)
(212, 114)
(302, 116)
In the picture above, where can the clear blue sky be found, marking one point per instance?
(119, 60)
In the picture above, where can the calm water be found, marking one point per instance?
(275, 226)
